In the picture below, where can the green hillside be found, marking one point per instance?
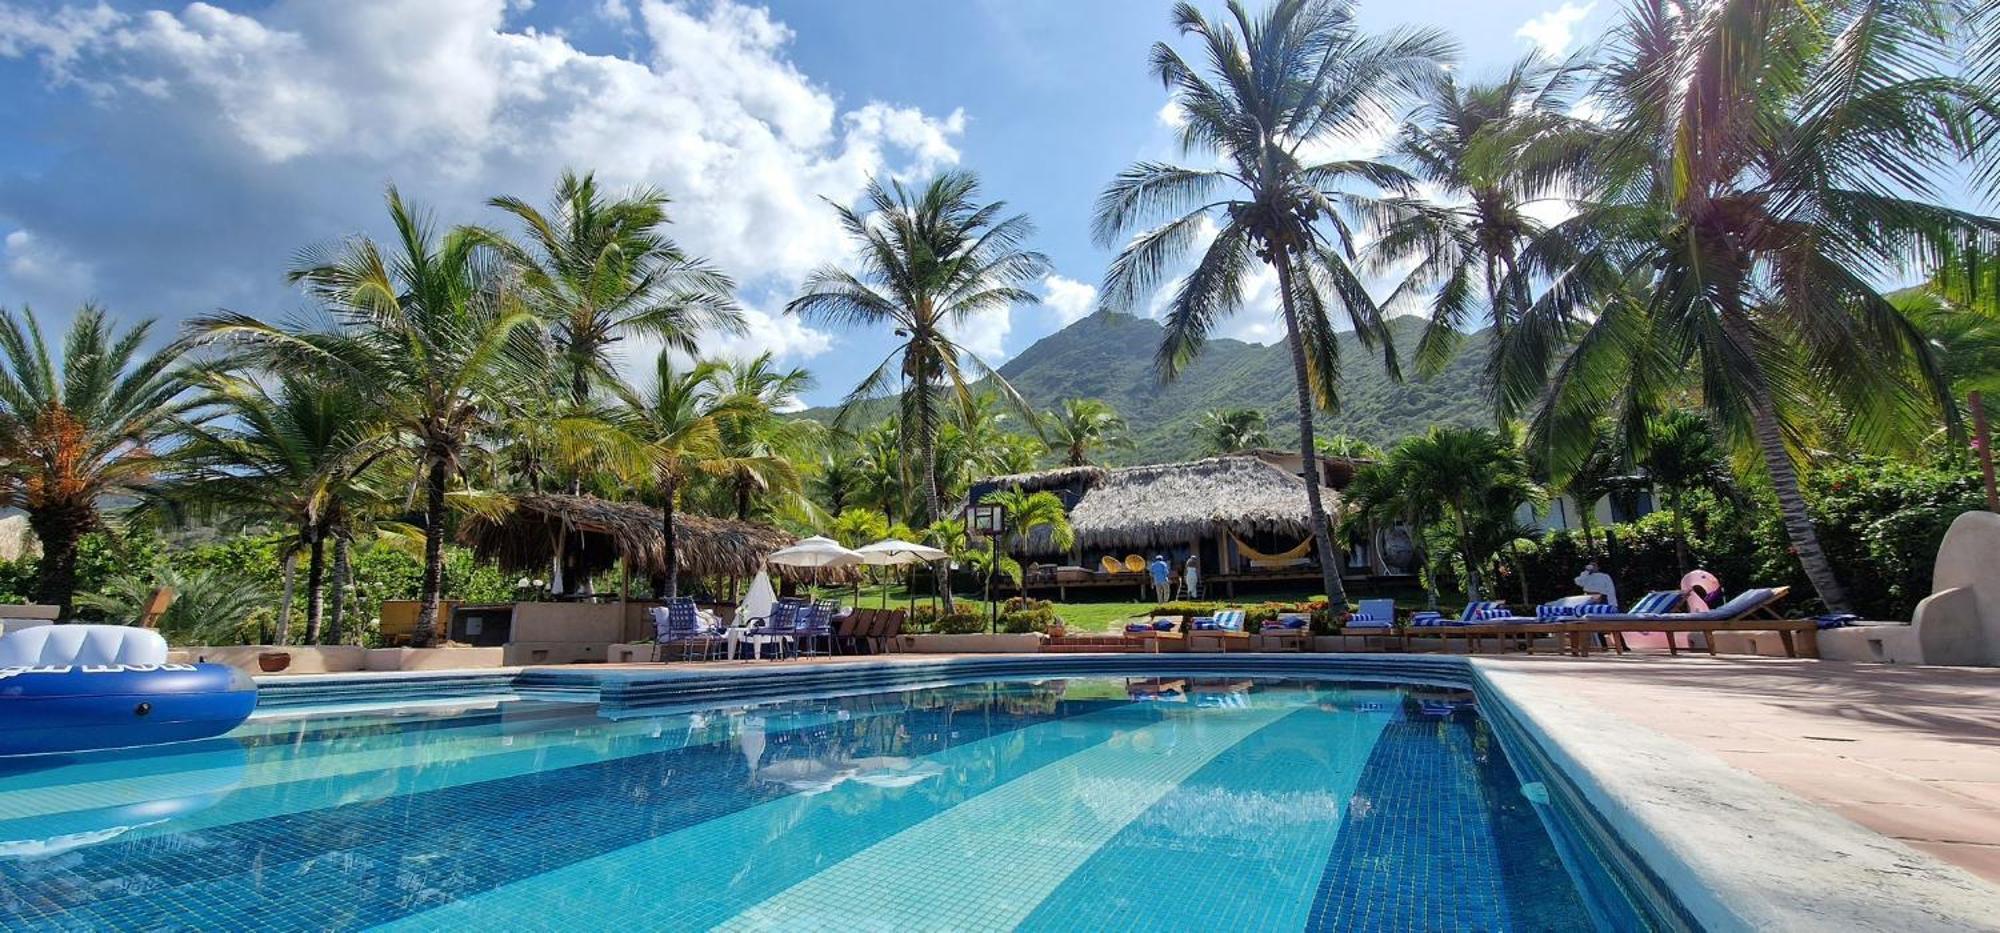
(1110, 356)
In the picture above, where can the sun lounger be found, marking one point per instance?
(1224, 627)
(1153, 632)
(1373, 614)
(1750, 611)
(1288, 629)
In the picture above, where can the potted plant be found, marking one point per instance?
(271, 662)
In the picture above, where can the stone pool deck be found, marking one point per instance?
(1910, 752)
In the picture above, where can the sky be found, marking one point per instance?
(167, 161)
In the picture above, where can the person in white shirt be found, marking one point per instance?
(1597, 583)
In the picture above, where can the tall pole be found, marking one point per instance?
(1982, 441)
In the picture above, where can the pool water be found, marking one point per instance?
(1073, 804)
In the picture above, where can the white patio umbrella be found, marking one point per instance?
(894, 552)
(815, 552)
(758, 601)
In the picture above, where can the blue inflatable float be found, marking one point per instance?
(73, 688)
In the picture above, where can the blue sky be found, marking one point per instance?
(170, 160)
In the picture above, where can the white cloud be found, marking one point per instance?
(984, 334)
(30, 266)
(1171, 115)
(1555, 29)
(235, 139)
(1068, 299)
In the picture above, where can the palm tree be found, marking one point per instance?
(1681, 456)
(1080, 427)
(1027, 512)
(1604, 470)
(1228, 430)
(1488, 153)
(1764, 161)
(1471, 474)
(675, 415)
(424, 330)
(760, 444)
(599, 270)
(99, 426)
(929, 260)
(297, 458)
(1279, 92)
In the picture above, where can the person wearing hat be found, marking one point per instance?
(1597, 583)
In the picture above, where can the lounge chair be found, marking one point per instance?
(890, 631)
(1153, 632)
(1475, 611)
(1224, 626)
(1750, 611)
(1373, 614)
(844, 633)
(1288, 629)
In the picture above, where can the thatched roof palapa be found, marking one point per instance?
(596, 532)
(1039, 480)
(1176, 502)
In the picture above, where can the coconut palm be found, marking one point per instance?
(1276, 95)
(1487, 154)
(1228, 430)
(297, 457)
(760, 444)
(424, 328)
(1682, 455)
(930, 260)
(1764, 162)
(597, 270)
(211, 606)
(675, 415)
(100, 425)
(1080, 427)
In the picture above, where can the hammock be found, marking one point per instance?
(1263, 561)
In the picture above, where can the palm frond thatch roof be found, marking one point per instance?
(1172, 503)
(1039, 480)
(596, 532)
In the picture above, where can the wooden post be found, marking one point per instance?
(1982, 441)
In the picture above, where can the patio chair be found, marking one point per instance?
(817, 624)
(1738, 614)
(844, 632)
(678, 623)
(778, 629)
(891, 630)
(1111, 564)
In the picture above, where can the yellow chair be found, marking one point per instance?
(1111, 564)
(1135, 564)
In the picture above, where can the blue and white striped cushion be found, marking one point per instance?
(1596, 609)
(1492, 612)
(1660, 601)
(1423, 619)
(1549, 613)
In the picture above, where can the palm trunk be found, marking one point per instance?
(1520, 571)
(1329, 559)
(343, 571)
(59, 529)
(1770, 440)
(315, 584)
(933, 501)
(433, 584)
(669, 554)
(1465, 553)
(1680, 532)
(282, 629)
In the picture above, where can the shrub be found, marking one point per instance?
(1021, 615)
(927, 620)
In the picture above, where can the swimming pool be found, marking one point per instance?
(1078, 802)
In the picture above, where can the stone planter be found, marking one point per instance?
(271, 662)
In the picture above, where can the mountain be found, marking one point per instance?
(1110, 356)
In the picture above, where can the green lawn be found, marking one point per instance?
(1110, 616)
